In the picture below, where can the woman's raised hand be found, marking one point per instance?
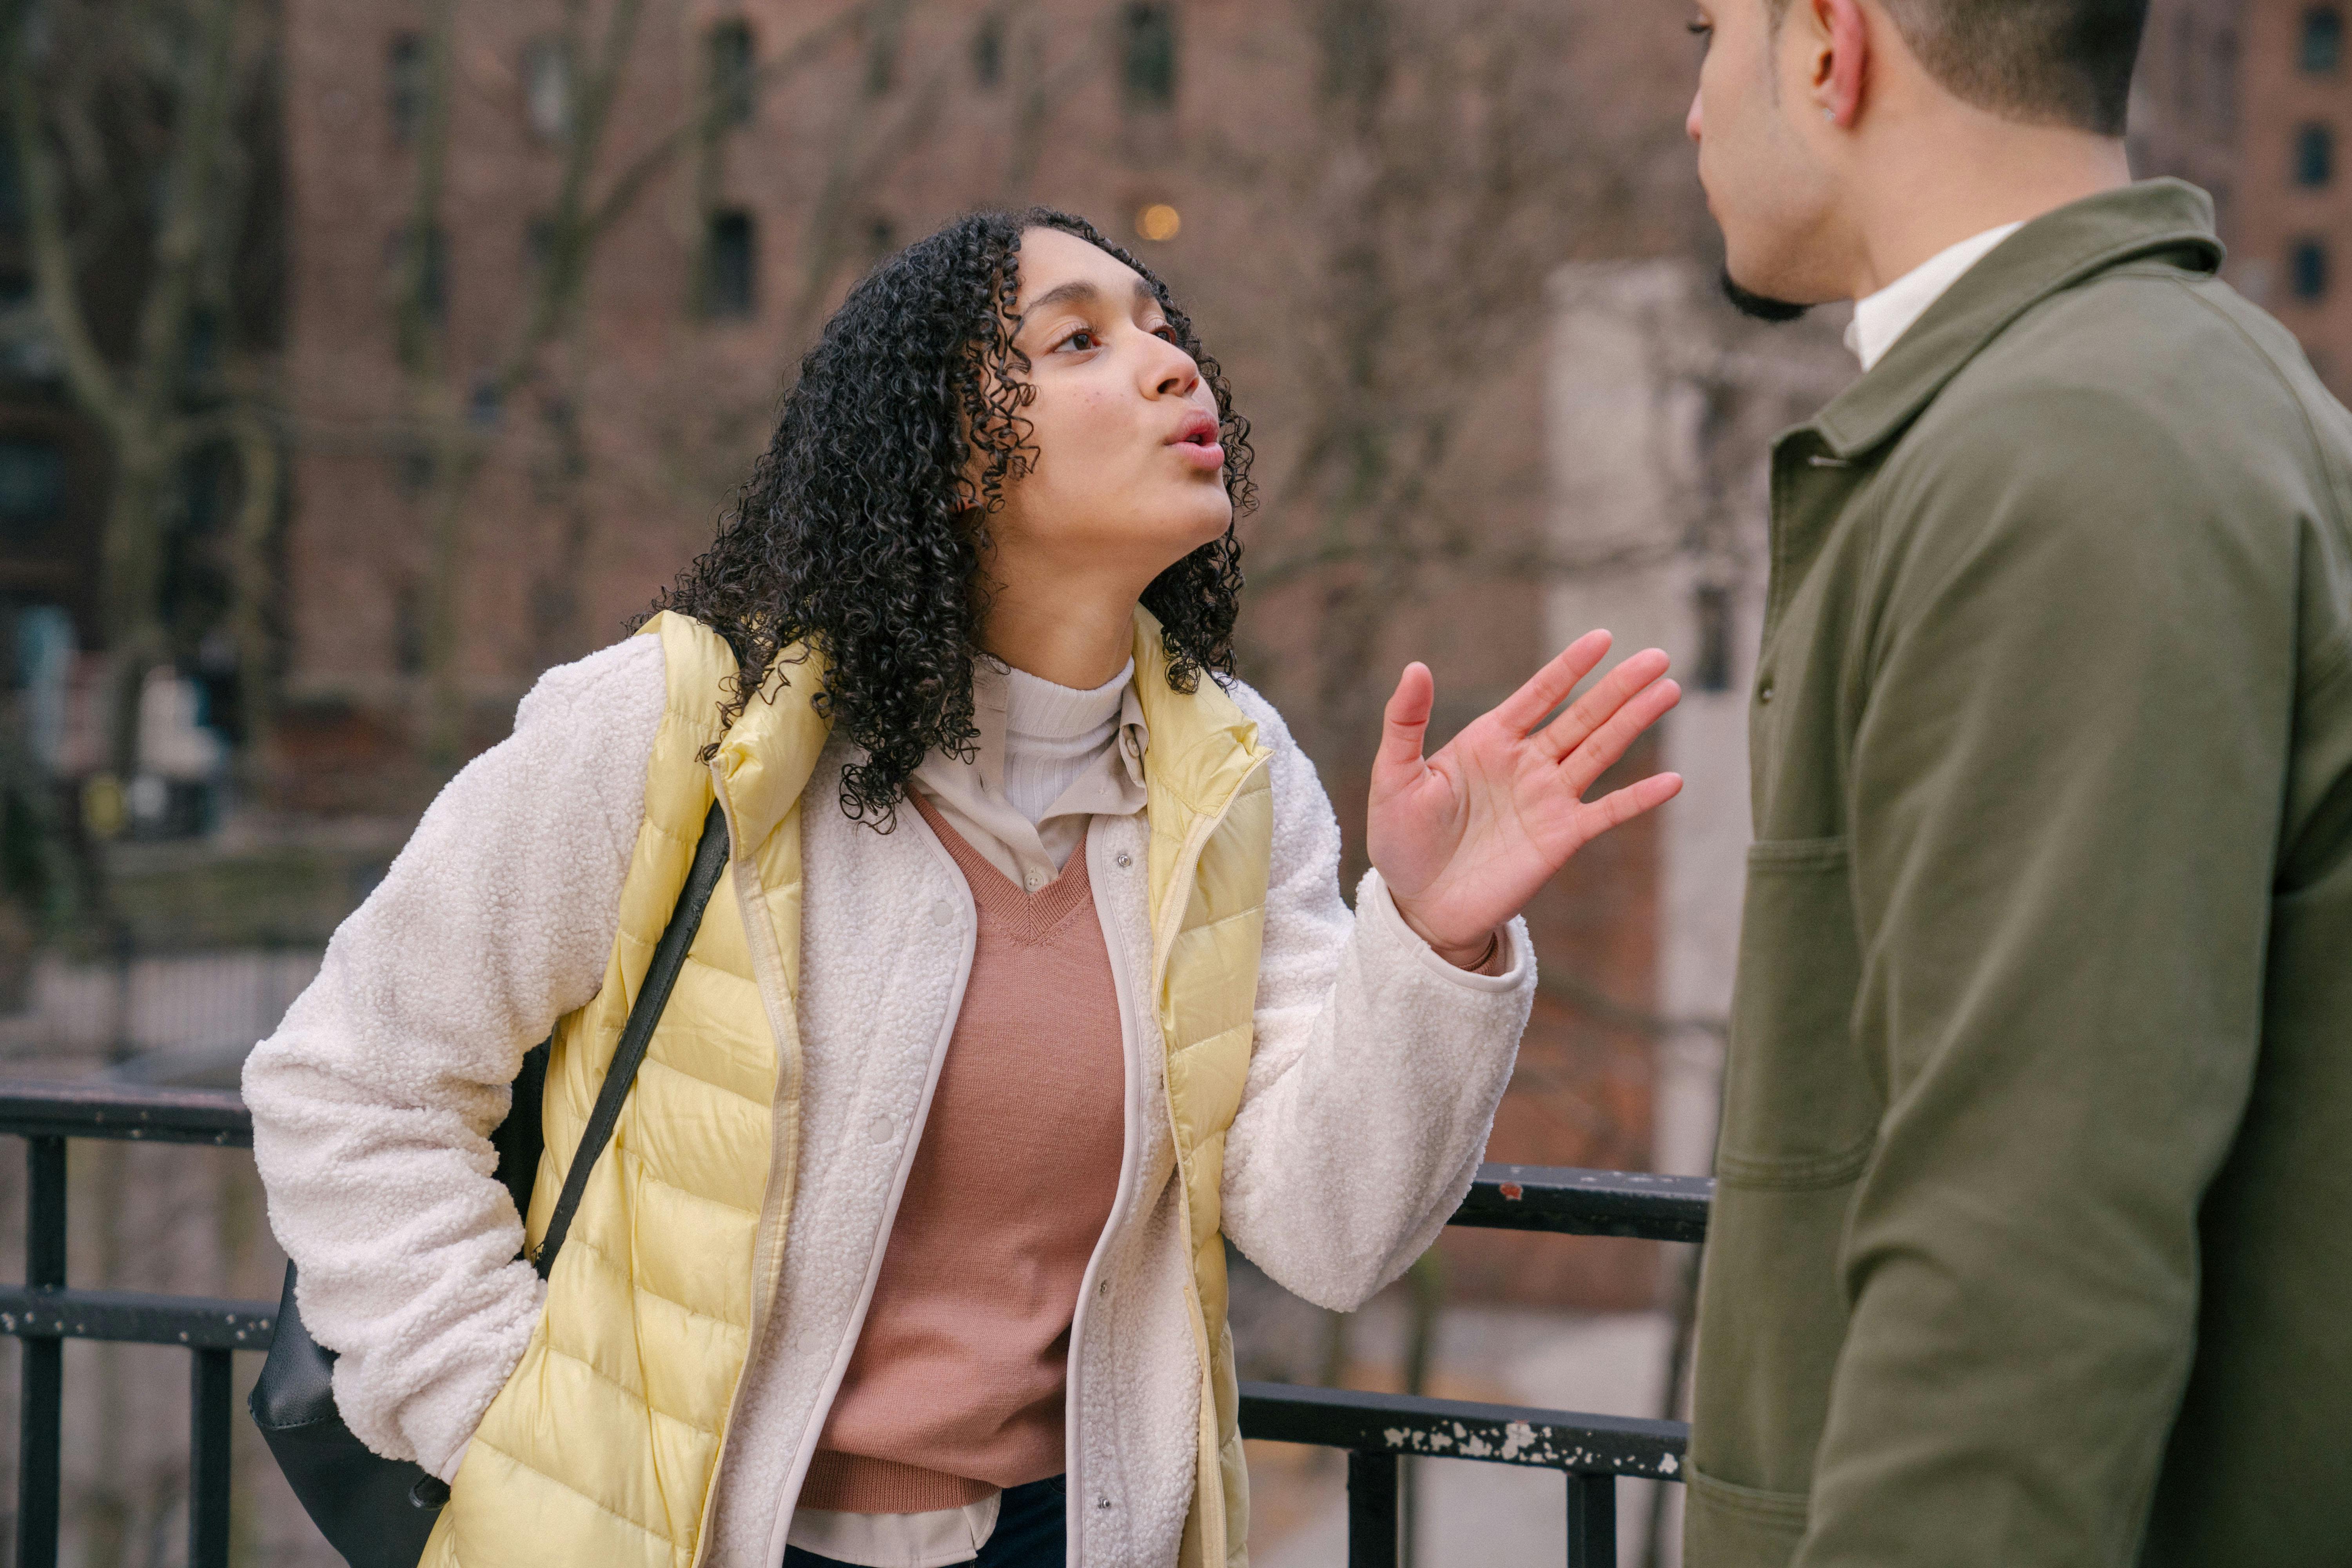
(1465, 837)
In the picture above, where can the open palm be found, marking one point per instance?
(1465, 837)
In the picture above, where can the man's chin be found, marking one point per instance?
(1759, 306)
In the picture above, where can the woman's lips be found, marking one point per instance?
(1197, 443)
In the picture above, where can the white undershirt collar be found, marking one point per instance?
(1883, 318)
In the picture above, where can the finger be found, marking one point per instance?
(1546, 689)
(1593, 710)
(1406, 719)
(1621, 806)
(1601, 750)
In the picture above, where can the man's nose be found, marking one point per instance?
(1692, 126)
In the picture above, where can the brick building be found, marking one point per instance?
(2292, 226)
(2252, 99)
(1229, 142)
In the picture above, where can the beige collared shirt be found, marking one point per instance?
(970, 793)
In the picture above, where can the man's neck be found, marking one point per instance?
(1932, 187)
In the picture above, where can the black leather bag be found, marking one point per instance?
(378, 1512)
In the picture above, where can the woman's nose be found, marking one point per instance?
(1173, 371)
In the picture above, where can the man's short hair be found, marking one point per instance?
(2043, 62)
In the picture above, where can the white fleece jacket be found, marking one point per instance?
(1373, 1083)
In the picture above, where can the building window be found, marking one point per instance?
(2306, 269)
(11, 199)
(731, 265)
(2323, 39)
(988, 50)
(408, 618)
(2314, 155)
(32, 483)
(734, 74)
(547, 87)
(1148, 40)
(404, 86)
(1711, 608)
(2225, 80)
(1354, 45)
(538, 243)
(2184, 66)
(431, 278)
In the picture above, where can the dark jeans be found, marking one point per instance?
(1030, 1531)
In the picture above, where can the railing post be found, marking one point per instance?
(208, 1441)
(39, 1440)
(1591, 1521)
(1371, 1510)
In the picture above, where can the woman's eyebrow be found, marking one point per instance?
(1077, 290)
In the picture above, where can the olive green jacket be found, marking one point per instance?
(2033, 1237)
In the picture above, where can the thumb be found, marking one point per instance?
(1406, 720)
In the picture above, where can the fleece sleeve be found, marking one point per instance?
(1377, 1066)
(374, 1101)
(2067, 785)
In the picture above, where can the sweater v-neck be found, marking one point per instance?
(1006, 909)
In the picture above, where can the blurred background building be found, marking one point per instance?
(360, 360)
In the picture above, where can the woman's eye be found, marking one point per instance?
(1082, 340)
(1166, 334)
(1700, 28)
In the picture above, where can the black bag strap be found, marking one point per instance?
(669, 957)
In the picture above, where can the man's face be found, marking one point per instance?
(1758, 157)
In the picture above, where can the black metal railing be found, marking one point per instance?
(1378, 1431)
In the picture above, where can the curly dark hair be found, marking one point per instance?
(858, 535)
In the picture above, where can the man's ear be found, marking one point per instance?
(1840, 43)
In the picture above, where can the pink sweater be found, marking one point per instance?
(956, 1387)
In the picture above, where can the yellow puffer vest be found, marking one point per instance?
(602, 1446)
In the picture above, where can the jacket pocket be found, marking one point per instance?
(1799, 1107)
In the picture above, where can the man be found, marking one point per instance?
(2031, 1243)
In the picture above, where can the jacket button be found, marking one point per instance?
(1124, 860)
(1764, 690)
(1102, 1503)
(943, 912)
(879, 1130)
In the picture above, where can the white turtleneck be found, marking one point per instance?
(1053, 733)
(1046, 761)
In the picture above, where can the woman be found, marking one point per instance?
(1029, 984)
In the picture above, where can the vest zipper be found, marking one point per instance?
(1214, 1549)
(783, 1134)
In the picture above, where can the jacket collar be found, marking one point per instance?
(772, 749)
(1202, 745)
(2166, 218)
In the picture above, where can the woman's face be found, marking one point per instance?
(1127, 476)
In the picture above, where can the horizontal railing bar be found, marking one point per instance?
(1459, 1429)
(104, 1109)
(130, 1317)
(1571, 1202)
(1560, 1199)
